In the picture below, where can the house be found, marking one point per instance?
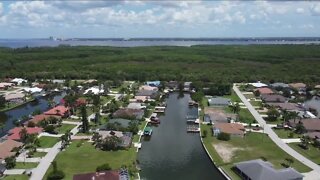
(125, 137)
(214, 115)
(122, 174)
(187, 86)
(311, 125)
(153, 83)
(258, 84)
(89, 81)
(234, 129)
(58, 81)
(33, 90)
(41, 117)
(148, 88)
(298, 86)
(129, 113)
(141, 98)
(286, 106)
(94, 90)
(317, 86)
(81, 102)
(173, 84)
(261, 170)
(151, 94)
(7, 147)
(136, 106)
(279, 85)
(264, 90)
(314, 135)
(5, 85)
(219, 101)
(61, 111)
(14, 134)
(122, 122)
(15, 97)
(19, 81)
(273, 98)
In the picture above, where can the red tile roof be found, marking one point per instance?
(265, 90)
(37, 118)
(6, 147)
(104, 175)
(81, 101)
(230, 128)
(59, 111)
(14, 134)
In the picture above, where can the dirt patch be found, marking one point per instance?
(225, 151)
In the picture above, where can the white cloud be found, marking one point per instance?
(315, 9)
(300, 10)
(307, 26)
(1, 8)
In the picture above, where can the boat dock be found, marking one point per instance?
(159, 109)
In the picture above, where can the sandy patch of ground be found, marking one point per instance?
(225, 151)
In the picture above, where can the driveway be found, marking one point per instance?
(268, 130)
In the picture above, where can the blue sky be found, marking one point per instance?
(144, 18)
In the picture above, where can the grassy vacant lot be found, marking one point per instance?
(86, 158)
(252, 146)
(284, 133)
(48, 142)
(64, 128)
(312, 153)
(16, 177)
(27, 165)
(232, 63)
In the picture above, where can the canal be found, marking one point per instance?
(172, 153)
(7, 118)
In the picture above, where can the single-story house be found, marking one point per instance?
(219, 101)
(260, 170)
(122, 122)
(265, 90)
(6, 148)
(15, 97)
(153, 83)
(136, 106)
(279, 84)
(187, 86)
(41, 117)
(286, 106)
(148, 88)
(298, 86)
(150, 94)
(126, 137)
(5, 85)
(19, 81)
(33, 90)
(314, 135)
(258, 84)
(14, 134)
(234, 129)
(94, 90)
(172, 84)
(273, 98)
(317, 86)
(61, 111)
(311, 125)
(58, 81)
(129, 113)
(81, 101)
(141, 98)
(104, 175)
(214, 115)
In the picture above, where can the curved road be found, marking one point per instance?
(274, 136)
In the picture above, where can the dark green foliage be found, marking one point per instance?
(197, 96)
(55, 174)
(10, 162)
(300, 129)
(50, 129)
(2, 101)
(103, 167)
(273, 114)
(85, 123)
(223, 136)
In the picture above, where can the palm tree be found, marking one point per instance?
(23, 134)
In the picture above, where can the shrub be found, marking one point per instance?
(57, 175)
(10, 162)
(50, 129)
(205, 133)
(103, 167)
(31, 124)
(223, 136)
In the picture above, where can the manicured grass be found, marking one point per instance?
(252, 146)
(86, 158)
(48, 142)
(312, 153)
(249, 96)
(27, 165)
(16, 177)
(39, 154)
(233, 97)
(284, 133)
(141, 126)
(246, 116)
(256, 103)
(64, 128)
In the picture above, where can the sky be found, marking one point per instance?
(146, 18)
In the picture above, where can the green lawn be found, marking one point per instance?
(48, 142)
(16, 177)
(86, 158)
(64, 128)
(28, 165)
(249, 96)
(312, 153)
(252, 146)
(234, 97)
(256, 103)
(141, 126)
(284, 133)
(105, 99)
(39, 154)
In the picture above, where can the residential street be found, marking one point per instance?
(268, 130)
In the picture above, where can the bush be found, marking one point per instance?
(103, 167)
(56, 175)
(223, 136)
(10, 162)
(50, 129)
(205, 133)
(31, 124)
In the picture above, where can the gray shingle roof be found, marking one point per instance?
(261, 170)
(219, 101)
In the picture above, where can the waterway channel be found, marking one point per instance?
(172, 153)
(41, 104)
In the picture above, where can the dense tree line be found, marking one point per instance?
(220, 63)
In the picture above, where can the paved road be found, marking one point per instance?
(268, 130)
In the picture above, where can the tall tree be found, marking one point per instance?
(23, 134)
(85, 123)
(2, 101)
